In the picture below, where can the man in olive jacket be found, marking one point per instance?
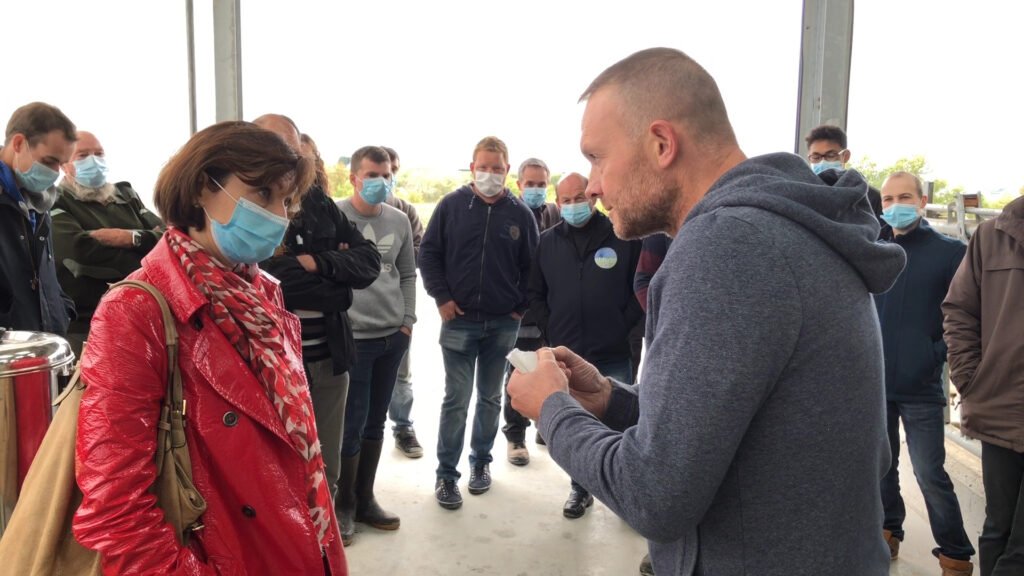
(101, 232)
(984, 315)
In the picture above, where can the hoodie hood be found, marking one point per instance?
(833, 206)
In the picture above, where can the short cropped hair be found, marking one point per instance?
(34, 121)
(666, 84)
(375, 154)
(491, 144)
(391, 153)
(533, 162)
(827, 132)
(918, 185)
(257, 156)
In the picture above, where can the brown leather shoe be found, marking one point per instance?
(893, 542)
(518, 454)
(952, 567)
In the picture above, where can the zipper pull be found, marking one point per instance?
(35, 283)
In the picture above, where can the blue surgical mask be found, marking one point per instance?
(826, 165)
(535, 197)
(901, 216)
(252, 234)
(38, 178)
(91, 171)
(577, 214)
(375, 190)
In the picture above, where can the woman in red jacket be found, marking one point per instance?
(249, 421)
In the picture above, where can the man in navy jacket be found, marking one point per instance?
(581, 294)
(910, 314)
(475, 261)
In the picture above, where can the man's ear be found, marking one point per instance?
(664, 143)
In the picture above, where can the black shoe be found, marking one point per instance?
(646, 568)
(447, 493)
(405, 440)
(577, 504)
(480, 479)
(539, 440)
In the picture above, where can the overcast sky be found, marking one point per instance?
(430, 79)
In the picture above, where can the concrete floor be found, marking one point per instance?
(517, 528)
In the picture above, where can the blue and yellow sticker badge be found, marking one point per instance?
(606, 258)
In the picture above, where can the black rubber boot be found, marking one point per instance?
(345, 505)
(367, 509)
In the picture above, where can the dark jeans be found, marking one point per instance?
(515, 423)
(1001, 544)
(924, 427)
(467, 345)
(621, 370)
(371, 382)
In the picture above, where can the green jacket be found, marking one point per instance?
(85, 268)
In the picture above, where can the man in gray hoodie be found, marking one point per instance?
(755, 441)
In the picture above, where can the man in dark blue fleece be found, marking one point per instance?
(475, 261)
(755, 441)
(581, 294)
(911, 317)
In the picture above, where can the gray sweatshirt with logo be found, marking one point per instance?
(755, 441)
(390, 302)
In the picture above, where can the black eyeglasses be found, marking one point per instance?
(831, 156)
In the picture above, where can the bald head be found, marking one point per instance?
(666, 84)
(571, 184)
(572, 189)
(86, 145)
(283, 126)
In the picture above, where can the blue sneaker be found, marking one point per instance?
(480, 479)
(447, 493)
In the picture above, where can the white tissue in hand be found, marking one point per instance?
(523, 361)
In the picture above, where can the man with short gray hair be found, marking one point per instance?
(532, 180)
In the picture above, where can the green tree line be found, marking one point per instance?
(942, 192)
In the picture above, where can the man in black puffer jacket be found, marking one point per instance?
(323, 258)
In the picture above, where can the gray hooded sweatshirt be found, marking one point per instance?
(755, 442)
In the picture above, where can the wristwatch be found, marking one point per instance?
(136, 238)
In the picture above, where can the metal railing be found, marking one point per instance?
(959, 219)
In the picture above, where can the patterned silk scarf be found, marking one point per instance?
(252, 324)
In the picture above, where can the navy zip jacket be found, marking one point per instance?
(910, 314)
(30, 296)
(479, 254)
(585, 301)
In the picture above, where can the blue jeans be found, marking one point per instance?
(371, 381)
(468, 344)
(924, 427)
(621, 370)
(401, 399)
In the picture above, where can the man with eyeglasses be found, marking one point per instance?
(826, 150)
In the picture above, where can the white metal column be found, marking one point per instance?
(825, 49)
(227, 50)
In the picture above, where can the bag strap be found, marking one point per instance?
(174, 392)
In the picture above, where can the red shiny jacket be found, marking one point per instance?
(257, 520)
